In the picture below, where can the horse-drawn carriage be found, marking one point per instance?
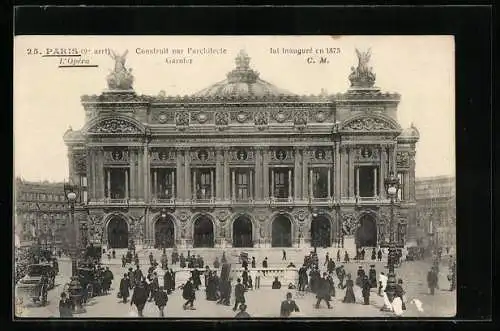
(39, 279)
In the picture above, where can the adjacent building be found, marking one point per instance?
(436, 211)
(41, 212)
(243, 163)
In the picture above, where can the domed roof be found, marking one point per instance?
(410, 133)
(242, 81)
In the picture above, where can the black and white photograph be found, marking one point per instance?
(245, 177)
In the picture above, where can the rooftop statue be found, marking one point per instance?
(120, 78)
(362, 76)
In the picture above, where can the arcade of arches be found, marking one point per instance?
(366, 234)
(117, 232)
(242, 232)
(281, 232)
(320, 232)
(164, 232)
(203, 235)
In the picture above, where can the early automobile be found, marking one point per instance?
(39, 279)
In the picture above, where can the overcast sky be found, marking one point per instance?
(47, 98)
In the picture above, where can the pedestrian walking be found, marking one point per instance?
(161, 299)
(189, 294)
(323, 292)
(366, 290)
(253, 262)
(288, 306)
(139, 297)
(125, 286)
(284, 256)
(257, 279)
(379, 255)
(239, 294)
(338, 255)
(432, 280)
(349, 292)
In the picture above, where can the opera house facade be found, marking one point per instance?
(242, 163)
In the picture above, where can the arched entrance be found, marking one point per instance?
(321, 232)
(366, 235)
(282, 232)
(242, 232)
(203, 235)
(164, 232)
(117, 232)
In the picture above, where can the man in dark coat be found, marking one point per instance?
(253, 262)
(182, 261)
(363, 254)
(223, 260)
(124, 261)
(323, 292)
(338, 255)
(167, 279)
(245, 277)
(332, 284)
(131, 278)
(346, 257)
(225, 292)
(327, 259)
(372, 276)
(216, 263)
(172, 280)
(302, 278)
(139, 297)
(365, 290)
(239, 294)
(151, 258)
(125, 287)
(373, 254)
(189, 294)
(244, 264)
(154, 286)
(379, 255)
(288, 306)
(138, 276)
(361, 274)
(107, 279)
(264, 265)
(432, 280)
(161, 299)
(330, 266)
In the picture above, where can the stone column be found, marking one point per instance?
(296, 172)
(383, 167)
(233, 185)
(357, 183)
(337, 167)
(351, 193)
(311, 189)
(219, 195)
(108, 184)
(406, 190)
(187, 174)
(174, 195)
(212, 183)
(290, 184)
(329, 182)
(394, 164)
(272, 183)
(100, 173)
(133, 174)
(180, 175)
(146, 181)
(227, 189)
(375, 182)
(265, 172)
(411, 186)
(258, 173)
(92, 175)
(305, 186)
(155, 183)
(194, 188)
(251, 184)
(126, 184)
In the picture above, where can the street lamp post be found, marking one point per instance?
(75, 288)
(392, 187)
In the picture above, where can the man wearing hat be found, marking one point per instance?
(243, 312)
(372, 275)
(288, 306)
(323, 291)
(360, 275)
(239, 294)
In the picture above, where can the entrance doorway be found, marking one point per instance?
(203, 232)
(282, 232)
(320, 232)
(242, 232)
(117, 232)
(164, 232)
(366, 234)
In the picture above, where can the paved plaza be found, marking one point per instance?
(264, 302)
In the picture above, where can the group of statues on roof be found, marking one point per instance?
(120, 78)
(362, 76)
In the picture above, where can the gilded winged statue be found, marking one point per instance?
(363, 59)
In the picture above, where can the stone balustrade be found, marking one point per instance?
(267, 275)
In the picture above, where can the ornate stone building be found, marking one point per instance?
(41, 212)
(436, 211)
(243, 163)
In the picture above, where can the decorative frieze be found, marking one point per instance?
(163, 117)
(222, 119)
(261, 118)
(300, 117)
(202, 156)
(242, 155)
(320, 155)
(367, 154)
(280, 155)
(114, 125)
(403, 159)
(201, 117)
(281, 116)
(241, 116)
(163, 155)
(368, 124)
(116, 156)
(182, 118)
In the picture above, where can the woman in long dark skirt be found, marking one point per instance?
(349, 292)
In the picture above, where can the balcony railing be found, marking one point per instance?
(163, 201)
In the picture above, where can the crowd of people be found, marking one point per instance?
(323, 280)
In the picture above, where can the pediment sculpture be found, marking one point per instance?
(363, 75)
(114, 126)
(368, 124)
